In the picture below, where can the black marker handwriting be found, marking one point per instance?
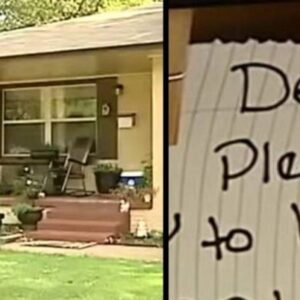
(276, 294)
(286, 87)
(176, 229)
(227, 240)
(285, 165)
(296, 210)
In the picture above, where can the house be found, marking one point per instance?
(100, 76)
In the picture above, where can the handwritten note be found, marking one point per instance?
(235, 175)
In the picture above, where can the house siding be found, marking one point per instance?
(142, 86)
(154, 217)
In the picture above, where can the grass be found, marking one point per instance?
(25, 276)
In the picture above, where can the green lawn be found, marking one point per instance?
(46, 277)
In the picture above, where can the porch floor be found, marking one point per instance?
(51, 201)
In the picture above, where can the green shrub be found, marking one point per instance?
(22, 208)
(107, 168)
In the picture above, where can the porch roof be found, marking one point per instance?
(139, 26)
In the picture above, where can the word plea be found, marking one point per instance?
(284, 165)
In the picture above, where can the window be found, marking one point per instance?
(48, 115)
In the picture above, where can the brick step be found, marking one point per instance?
(91, 215)
(98, 205)
(68, 236)
(87, 226)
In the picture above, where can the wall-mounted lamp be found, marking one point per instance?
(119, 89)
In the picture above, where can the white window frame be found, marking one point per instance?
(47, 120)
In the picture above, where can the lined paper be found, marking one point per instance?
(211, 116)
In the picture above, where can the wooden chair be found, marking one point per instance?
(74, 166)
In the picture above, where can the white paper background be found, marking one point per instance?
(210, 116)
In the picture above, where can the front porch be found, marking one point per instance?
(91, 219)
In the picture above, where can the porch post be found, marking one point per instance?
(157, 141)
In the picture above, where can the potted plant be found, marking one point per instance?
(148, 174)
(28, 214)
(27, 190)
(107, 177)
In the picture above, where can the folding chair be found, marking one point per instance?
(74, 166)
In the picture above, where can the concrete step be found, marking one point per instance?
(69, 236)
(87, 226)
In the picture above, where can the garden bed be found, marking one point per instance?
(154, 240)
(141, 243)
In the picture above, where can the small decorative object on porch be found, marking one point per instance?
(124, 206)
(112, 240)
(42, 195)
(147, 198)
(105, 110)
(107, 177)
(141, 229)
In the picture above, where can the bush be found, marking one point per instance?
(148, 174)
(107, 168)
(21, 209)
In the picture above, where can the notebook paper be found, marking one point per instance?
(234, 175)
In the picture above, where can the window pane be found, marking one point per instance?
(74, 101)
(20, 139)
(23, 104)
(64, 133)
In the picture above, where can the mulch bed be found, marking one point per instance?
(137, 243)
(131, 241)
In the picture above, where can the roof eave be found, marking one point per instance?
(66, 51)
